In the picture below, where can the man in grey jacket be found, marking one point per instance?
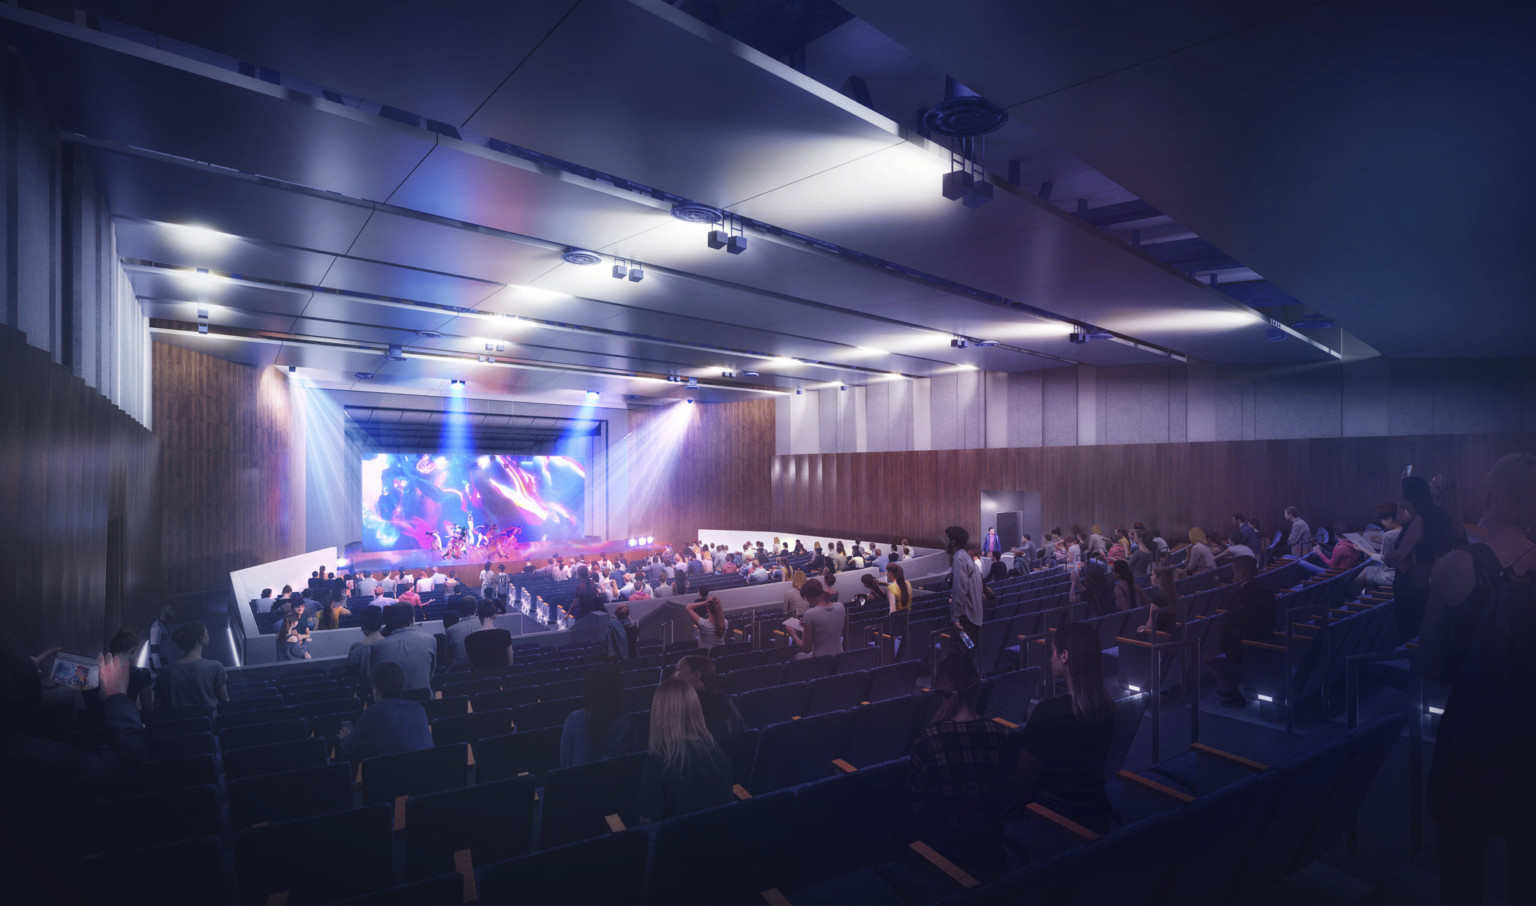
(404, 644)
(966, 589)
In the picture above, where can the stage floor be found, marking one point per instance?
(468, 568)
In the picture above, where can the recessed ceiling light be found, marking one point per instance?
(749, 374)
(363, 375)
(581, 257)
(986, 344)
(428, 334)
(693, 212)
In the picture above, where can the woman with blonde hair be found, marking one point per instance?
(793, 603)
(1199, 559)
(685, 770)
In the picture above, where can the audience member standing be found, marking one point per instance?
(709, 620)
(1066, 742)
(616, 642)
(685, 771)
(1428, 534)
(406, 645)
(600, 728)
(393, 725)
(959, 774)
(1251, 615)
(1479, 635)
(823, 624)
(192, 681)
(965, 596)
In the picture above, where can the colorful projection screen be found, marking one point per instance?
(469, 505)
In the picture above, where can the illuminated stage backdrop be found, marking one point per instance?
(415, 501)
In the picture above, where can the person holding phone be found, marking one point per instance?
(40, 863)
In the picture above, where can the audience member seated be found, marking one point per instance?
(37, 852)
(331, 612)
(685, 770)
(1344, 556)
(1250, 617)
(1142, 558)
(292, 643)
(996, 570)
(264, 603)
(600, 728)
(720, 713)
(360, 654)
(1200, 559)
(141, 683)
(1377, 574)
(1164, 601)
(1065, 743)
(1236, 548)
(822, 626)
(192, 681)
(465, 607)
(1299, 536)
(488, 646)
(1128, 593)
(392, 725)
(406, 645)
(959, 774)
(709, 620)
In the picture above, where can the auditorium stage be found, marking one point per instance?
(468, 568)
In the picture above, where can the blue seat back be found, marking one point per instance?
(357, 849)
(688, 864)
(270, 759)
(494, 821)
(771, 705)
(285, 796)
(897, 680)
(414, 773)
(135, 822)
(835, 693)
(576, 799)
(605, 869)
(534, 751)
(797, 751)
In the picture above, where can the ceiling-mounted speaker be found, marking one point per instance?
(736, 244)
(958, 184)
(719, 239)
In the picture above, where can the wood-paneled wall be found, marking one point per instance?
(713, 473)
(232, 467)
(1172, 486)
(72, 464)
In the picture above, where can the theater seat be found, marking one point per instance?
(866, 812)
(1009, 695)
(288, 795)
(470, 727)
(577, 799)
(493, 821)
(316, 860)
(281, 756)
(835, 693)
(771, 705)
(608, 869)
(545, 714)
(798, 671)
(751, 679)
(442, 890)
(856, 660)
(797, 751)
(535, 751)
(173, 774)
(742, 749)
(241, 737)
(386, 777)
(689, 864)
(134, 822)
(190, 873)
(179, 746)
(880, 731)
(893, 681)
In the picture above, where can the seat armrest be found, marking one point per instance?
(1152, 786)
(1066, 824)
(932, 857)
(1246, 764)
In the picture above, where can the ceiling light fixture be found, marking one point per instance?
(580, 257)
(592, 396)
(202, 328)
(363, 375)
(693, 212)
(986, 344)
(457, 382)
(293, 369)
(749, 374)
(396, 353)
(202, 311)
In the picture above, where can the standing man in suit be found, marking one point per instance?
(991, 543)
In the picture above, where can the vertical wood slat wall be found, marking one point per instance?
(70, 463)
(232, 467)
(728, 478)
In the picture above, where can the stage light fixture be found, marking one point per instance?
(1078, 336)
(636, 274)
(650, 539)
(842, 386)
(396, 353)
(456, 383)
(980, 194)
(958, 343)
(592, 395)
(693, 383)
(202, 328)
(957, 184)
(293, 369)
(632, 542)
(799, 391)
(202, 311)
(690, 401)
